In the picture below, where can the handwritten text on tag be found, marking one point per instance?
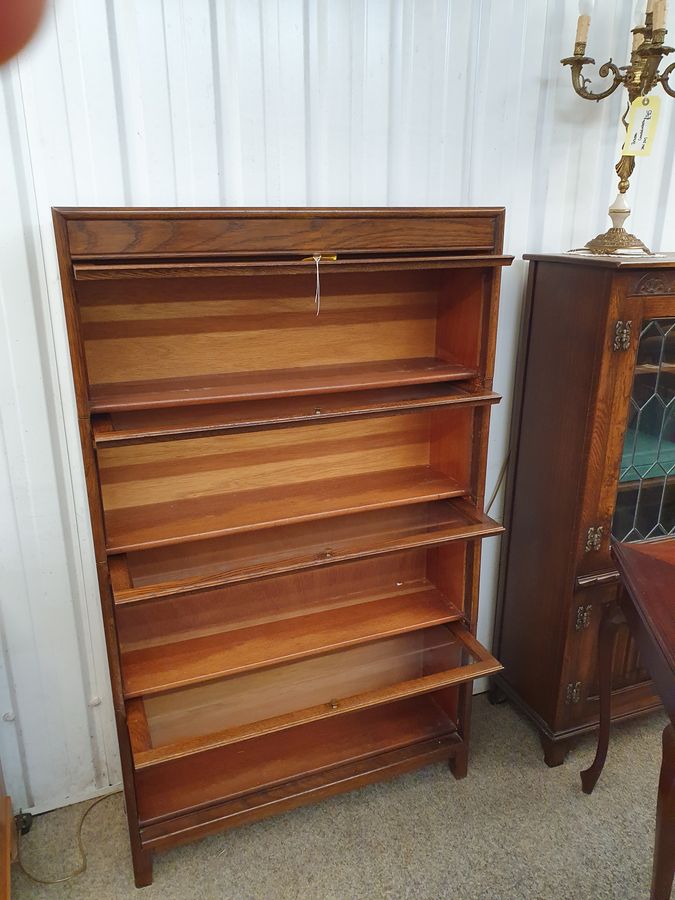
(642, 119)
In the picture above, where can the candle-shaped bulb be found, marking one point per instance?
(660, 11)
(586, 7)
(583, 25)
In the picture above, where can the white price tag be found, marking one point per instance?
(642, 119)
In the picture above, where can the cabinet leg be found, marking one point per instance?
(459, 764)
(142, 861)
(664, 847)
(554, 751)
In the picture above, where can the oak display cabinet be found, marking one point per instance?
(285, 460)
(593, 460)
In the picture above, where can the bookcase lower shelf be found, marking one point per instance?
(301, 791)
(187, 784)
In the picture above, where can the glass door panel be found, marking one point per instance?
(645, 505)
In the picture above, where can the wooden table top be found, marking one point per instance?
(648, 571)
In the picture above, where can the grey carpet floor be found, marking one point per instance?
(512, 829)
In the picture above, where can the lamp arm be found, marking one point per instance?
(664, 79)
(576, 64)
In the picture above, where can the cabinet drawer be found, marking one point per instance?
(190, 720)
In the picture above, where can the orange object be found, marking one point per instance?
(19, 20)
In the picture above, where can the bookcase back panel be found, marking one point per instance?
(227, 483)
(247, 325)
(175, 470)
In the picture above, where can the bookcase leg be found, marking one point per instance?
(459, 764)
(142, 861)
(554, 751)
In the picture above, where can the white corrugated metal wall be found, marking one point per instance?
(254, 102)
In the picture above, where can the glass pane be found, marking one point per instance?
(292, 545)
(292, 687)
(645, 506)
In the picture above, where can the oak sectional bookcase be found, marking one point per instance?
(284, 419)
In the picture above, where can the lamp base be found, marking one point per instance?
(616, 240)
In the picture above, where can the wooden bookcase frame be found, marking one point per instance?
(313, 524)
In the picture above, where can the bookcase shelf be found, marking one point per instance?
(286, 495)
(267, 384)
(186, 722)
(162, 667)
(176, 569)
(114, 429)
(172, 522)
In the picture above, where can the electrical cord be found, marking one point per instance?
(82, 866)
(500, 479)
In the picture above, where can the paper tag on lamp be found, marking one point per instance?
(642, 119)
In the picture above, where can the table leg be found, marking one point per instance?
(611, 620)
(664, 848)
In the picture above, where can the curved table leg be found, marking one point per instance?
(664, 848)
(611, 620)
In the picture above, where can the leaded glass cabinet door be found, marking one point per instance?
(645, 504)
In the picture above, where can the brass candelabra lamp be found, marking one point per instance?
(639, 78)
